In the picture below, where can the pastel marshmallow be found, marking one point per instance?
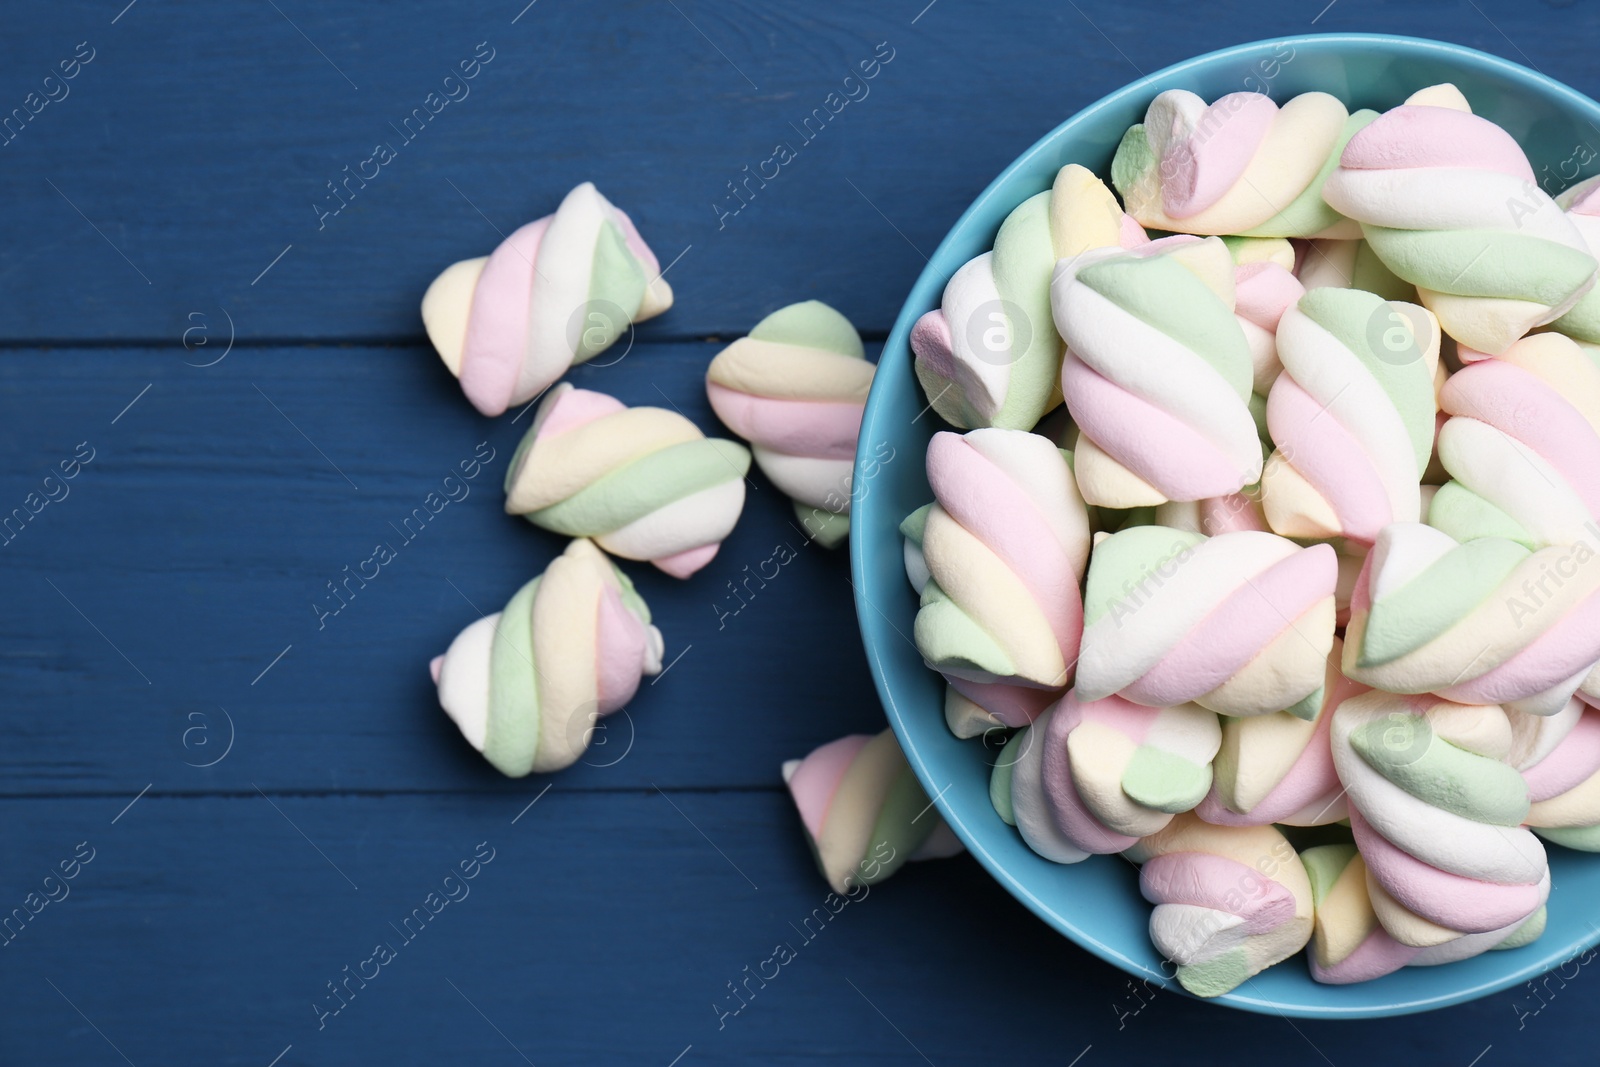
(1240, 165)
(1158, 374)
(864, 812)
(989, 354)
(528, 685)
(1449, 202)
(1241, 623)
(795, 387)
(1229, 901)
(1352, 416)
(1004, 547)
(643, 482)
(557, 292)
(1484, 621)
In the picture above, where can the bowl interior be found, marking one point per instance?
(1096, 903)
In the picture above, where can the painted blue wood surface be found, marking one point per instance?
(163, 606)
(200, 137)
(200, 541)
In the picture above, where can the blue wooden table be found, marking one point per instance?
(216, 799)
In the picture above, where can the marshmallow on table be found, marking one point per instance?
(989, 355)
(1352, 415)
(556, 292)
(865, 813)
(1114, 771)
(1242, 165)
(1229, 901)
(1481, 622)
(527, 685)
(1582, 205)
(1241, 623)
(643, 482)
(1437, 814)
(998, 559)
(1522, 445)
(1278, 768)
(795, 388)
(1158, 374)
(1449, 202)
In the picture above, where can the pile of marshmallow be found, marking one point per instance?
(529, 685)
(1312, 542)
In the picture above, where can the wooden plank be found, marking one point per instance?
(186, 557)
(161, 187)
(178, 180)
(603, 930)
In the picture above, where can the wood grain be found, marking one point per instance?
(603, 930)
(192, 549)
(163, 604)
(200, 137)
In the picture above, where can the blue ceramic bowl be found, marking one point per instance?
(1097, 903)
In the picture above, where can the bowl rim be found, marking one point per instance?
(898, 340)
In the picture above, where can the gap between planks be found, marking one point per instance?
(708, 337)
(365, 794)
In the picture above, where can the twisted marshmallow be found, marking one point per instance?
(1278, 768)
(1481, 622)
(864, 812)
(1353, 416)
(556, 292)
(1582, 205)
(527, 685)
(988, 355)
(1157, 373)
(967, 703)
(1437, 814)
(1230, 901)
(1448, 201)
(643, 482)
(1349, 944)
(795, 388)
(964, 714)
(1522, 445)
(1003, 548)
(1113, 771)
(1242, 165)
(1241, 623)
